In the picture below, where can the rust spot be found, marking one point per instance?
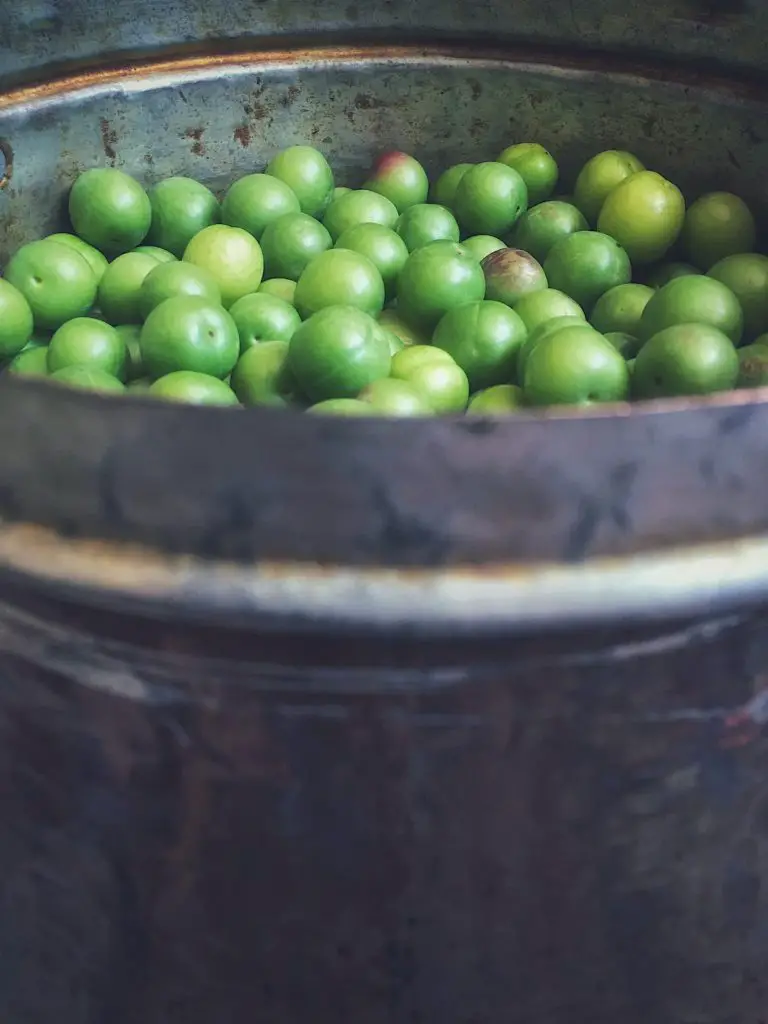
(108, 139)
(255, 110)
(196, 134)
(242, 134)
(6, 162)
(476, 88)
(290, 96)
(363, 102)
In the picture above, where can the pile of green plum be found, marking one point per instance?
(478, 292)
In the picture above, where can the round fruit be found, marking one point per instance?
(382, 246)
(261, 317)
(484, 339)
(87, 342)
(337, 352)
(686, 359)
(535, 165)
(232, 257)
(290, 243)
(620, 308)
(501, 400)
(120, 287)
(644, 214)
(585, 265)
(627, 344)
(575, 366)
(165, 280)
(694, 299)
(16, 321)
(193, 388)
(444, 191)
(542, 226)
(392, 397)
(400, 178)
(359, 207)
(544, 330)
(305, 170)
(434, 375)
(511, 274)
(746, 274)
(341, 407)
(261, 376)
(489, 199)
(435, 279)
(667, 272)
(110, 210)
(425, 223)
(717, 225)
(481, 246)
(390, 321)
(161, 255)
(537, 308)
(339, 277)
(96, 260)
(56, 281)
(30, 362)
(130, 335)
(253, 202)
(753, 366)
(181, 207)
(88, 378)
(599, 177)
(281, 288)
(189, 333)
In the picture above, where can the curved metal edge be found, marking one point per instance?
(698, 580)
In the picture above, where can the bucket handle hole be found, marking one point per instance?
(6, 163)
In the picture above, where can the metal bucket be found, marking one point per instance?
(456, 722)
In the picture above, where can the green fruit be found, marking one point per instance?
(667, 272)
(599, 177)
(626, 344)
(382, 246)
(746, 274)
(56, 281)
(87, 342)
(193, 388)
(390, 320)
(166, 280)
(16, 323)
(542, 226)
(484, 339)
(400, 178)
(620, 308)
(96, 260)
(435, 279)
(290, 243)
(339, 277)
(231, 256)
(305, 170)
(434, 375)
(511, 274)
(88, 378)
(686, 359)
(501, 400)
(392, 397)
(425, 223)
(694, 299)
(358, 207)
(717, 225)
(444, 192)
(253, 202)
(189, 333)
(544, 330)
(341, 407)
(161, 255)
(181, 207)
(489, 199)
(281, 288)
(261, 376)
(30, 362)
(481, 246)
(537, 308)
(260, 317)
(120, 289)
(644, 214)
(535, 165)
(575, 366)
(130, 335)
(110, 210)
(585, 265)
(337, 352)
(753, 366)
